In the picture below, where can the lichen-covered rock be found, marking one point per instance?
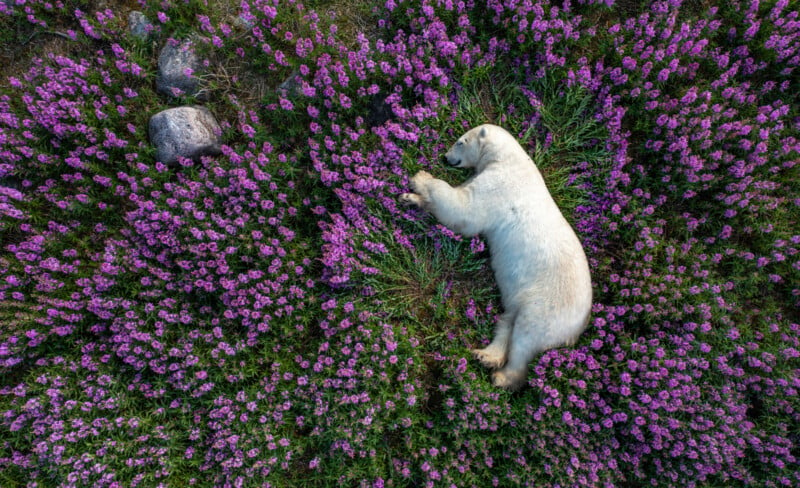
(138, 25)
(179, 69)
(189, 132)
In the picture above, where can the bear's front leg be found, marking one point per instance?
(451, 206)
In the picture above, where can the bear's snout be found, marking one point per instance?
(448, 162)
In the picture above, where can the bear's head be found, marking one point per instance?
(479, 147)
(466, 152)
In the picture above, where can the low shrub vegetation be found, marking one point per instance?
(272, 316)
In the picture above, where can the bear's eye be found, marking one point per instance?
(460, 143)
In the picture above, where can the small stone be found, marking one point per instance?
(139, 25)
(244, 22)
(178, 68)
(291, 86)
(189, 132)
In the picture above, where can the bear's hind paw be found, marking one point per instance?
(490, 357)
(509, 380)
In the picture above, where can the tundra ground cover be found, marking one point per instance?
(273, 316)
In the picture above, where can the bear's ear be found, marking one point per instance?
(483, 133)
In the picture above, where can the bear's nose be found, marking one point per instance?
(448, 162)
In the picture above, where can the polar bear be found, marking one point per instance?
(538, 261)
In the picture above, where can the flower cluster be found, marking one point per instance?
(272, 315)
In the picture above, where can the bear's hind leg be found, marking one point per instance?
(525, 343)
(515, 372)
(494, 355)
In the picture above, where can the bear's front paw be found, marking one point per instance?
(419, 179)
(411, 199)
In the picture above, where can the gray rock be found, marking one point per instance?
(174, 62)
(291, 86)
(243, 23)
(189, 132)
(139, 25)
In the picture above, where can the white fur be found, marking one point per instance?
(538, 261)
